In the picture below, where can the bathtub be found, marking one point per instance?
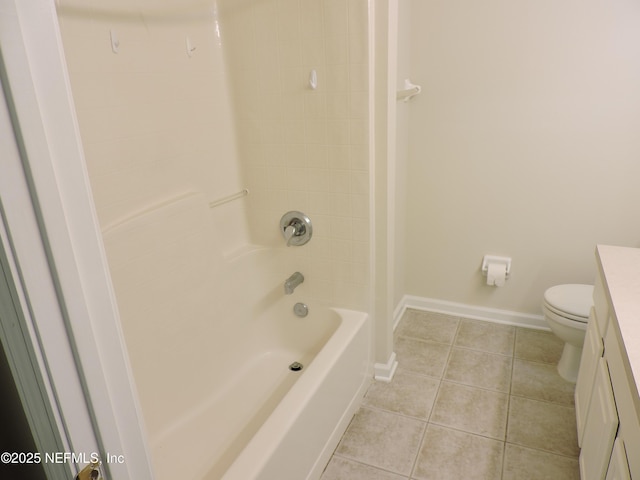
(210, 338)
(265, 421)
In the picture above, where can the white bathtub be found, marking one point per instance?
(266, 421)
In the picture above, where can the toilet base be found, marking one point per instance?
(569, 363)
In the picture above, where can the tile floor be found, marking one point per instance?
(470, 400)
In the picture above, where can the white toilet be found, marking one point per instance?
(566, 310)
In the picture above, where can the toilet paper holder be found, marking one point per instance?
(493, 259)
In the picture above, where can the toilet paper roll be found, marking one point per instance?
(496, 274)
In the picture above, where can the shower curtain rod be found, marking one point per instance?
(243, 193)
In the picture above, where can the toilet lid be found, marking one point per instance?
(574, 299)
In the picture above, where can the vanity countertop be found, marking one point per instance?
(620, 267)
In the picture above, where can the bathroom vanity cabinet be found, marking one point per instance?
(607, 400)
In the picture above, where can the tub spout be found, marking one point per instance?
(292, 282)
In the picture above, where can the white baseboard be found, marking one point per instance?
(474, 312)
(384, 372)
(399, 311)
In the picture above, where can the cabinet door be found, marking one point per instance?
(626, 396)
(619, 466)
(591, 354)
(600, 427)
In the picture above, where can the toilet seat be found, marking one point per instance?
(571, 302)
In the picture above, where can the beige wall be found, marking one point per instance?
(524, 143)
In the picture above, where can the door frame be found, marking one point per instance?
(54, 241)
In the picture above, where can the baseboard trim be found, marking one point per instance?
(399, 311)
(474, 312)
(384, 372)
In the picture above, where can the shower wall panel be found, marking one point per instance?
(154, 117)
(303, 148)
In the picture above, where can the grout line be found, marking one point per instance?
(344, 457)
(506, 427)
(556, 404)
(449, 427)
(529, 447)
(404, 371)
(399, 414)
(478, 387)
(420, 445)
(472, 349)
(538, 362)
(435, 400)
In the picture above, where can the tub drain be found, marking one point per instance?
(296, 367)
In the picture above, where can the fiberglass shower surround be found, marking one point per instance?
(193, 164)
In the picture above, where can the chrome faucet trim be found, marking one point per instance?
(296, 228)
(292, 282)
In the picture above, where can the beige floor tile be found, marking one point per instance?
(344, 469)
(418, 356)
(383, 440)
(407, 393)
(479, 369)
(471, 409)
(486, 336)
(434, 327)
(522, 463)
(541, 381)
(538, 346)
(462, 389)
(451, 454)
(543, 426)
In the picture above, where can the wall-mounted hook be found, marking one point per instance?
(190, 47)
(409, 91)
(313, 79)
(115, 41)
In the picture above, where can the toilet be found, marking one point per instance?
(566, 310)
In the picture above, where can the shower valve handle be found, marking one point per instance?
(296, 228)
(290, 232)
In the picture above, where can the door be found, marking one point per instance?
(618, 467)
(22, 436)
(55, 257)
(30, 317)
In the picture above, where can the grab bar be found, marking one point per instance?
(229, 198)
